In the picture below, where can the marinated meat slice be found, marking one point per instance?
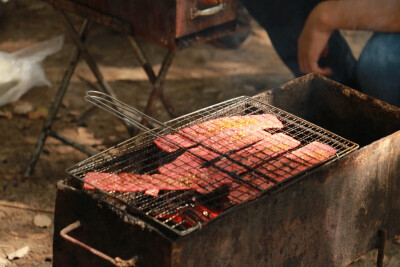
(234, 139)
(261, 151)
(297, 161)
(173, 142)
(235, 129)
(183, 182)
(243, 192)
(210, 179)
(217, 130)
(280, 169)
(126, 182)
(211, 127)
(189, 165)
(240, 193)
(189, 162)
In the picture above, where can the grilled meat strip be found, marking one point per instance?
(259, 152)
(213, 131)
(282, 168)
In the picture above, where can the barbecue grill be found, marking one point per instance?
(327, 214)
(246, 173)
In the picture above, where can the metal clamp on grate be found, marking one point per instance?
(185, 173)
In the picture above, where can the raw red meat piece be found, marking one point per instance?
(190, 165)
(211, 127)
(189, 162)
(173, 142)
(297, 161)
(211, 178)
(261, 151)
(218, 130)
(234, 139)
(183, 182)
(281, 168)
(150, 184)
(124, 182)
(239, 193)
(242, 192)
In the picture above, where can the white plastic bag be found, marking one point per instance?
(21, 70)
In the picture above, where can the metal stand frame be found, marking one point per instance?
(79, 51)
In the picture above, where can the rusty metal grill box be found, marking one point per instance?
(170, 23)
(329, 216)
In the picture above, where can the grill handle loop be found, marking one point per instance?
(194, 12)
(121, 110)
(117, 261)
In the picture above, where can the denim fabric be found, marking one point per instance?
(378, 68)
(377, 72)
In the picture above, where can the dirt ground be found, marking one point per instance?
(200, 76)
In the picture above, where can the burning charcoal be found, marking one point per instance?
(190, 216)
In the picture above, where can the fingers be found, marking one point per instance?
(317, 69)
(308, 62)
(325, 52)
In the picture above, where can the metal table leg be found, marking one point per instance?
(156, 81)
(80, 50)
(104, 86)
(75, 55)
(86, 55)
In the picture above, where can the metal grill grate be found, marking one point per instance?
(211, 161)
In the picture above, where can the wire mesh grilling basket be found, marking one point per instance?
(188, 171)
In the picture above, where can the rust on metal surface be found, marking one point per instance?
(64, 233)
(382, 235)
(185, 25)
(160, 21)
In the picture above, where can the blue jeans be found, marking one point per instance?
(377, 71)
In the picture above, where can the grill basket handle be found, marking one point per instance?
(119, 109)
(117, 261)
(194, 12)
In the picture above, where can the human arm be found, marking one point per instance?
(375, 15)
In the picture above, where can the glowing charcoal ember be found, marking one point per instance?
(173, 142)
(263, 150)
(297, 161)
(190, 216)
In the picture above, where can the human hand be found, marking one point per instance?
(313, 43)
